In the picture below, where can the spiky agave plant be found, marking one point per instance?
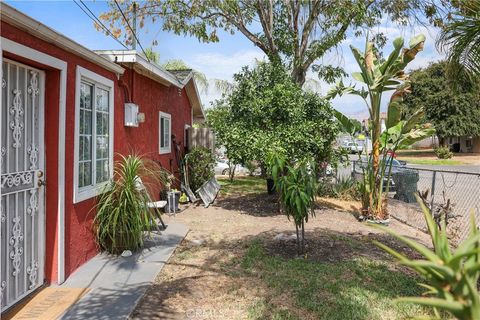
(452, 275)
(122, 214)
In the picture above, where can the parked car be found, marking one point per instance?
(398, 167)
(352, 147)
(222, 167)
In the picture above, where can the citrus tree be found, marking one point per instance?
(267, 108)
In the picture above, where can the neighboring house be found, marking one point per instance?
(62, 121)
(464, 144)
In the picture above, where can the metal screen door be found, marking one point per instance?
(22, 168)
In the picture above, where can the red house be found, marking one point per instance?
(66, 111)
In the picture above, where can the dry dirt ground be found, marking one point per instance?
(203, 279)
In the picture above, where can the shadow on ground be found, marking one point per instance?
(342, 276)
(255, 204)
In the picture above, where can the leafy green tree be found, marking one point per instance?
(152, 55)
(453, 110)
(267, 109)
(297, 33)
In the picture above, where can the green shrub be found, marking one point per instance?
(346, 188)
(122, 214)
(451, 275)
(200, 163)
(443, 153)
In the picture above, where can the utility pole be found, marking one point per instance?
(134, 43)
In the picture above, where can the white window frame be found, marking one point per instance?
(168, 149)
(84, 193)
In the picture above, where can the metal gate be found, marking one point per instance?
(22, 213)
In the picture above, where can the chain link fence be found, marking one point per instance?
(457, 190)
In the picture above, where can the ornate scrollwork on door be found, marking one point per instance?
(3, 151)
(17, 179)
(17, 249)
(33, 203)
(3, 285)
(3, 217)
(33, 156)
(33, 87)
(32, 274)
(16, 124)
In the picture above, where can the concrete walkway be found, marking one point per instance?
(116, 283)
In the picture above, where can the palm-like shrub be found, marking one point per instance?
(379, 76)
(460, 38)
(452, 275)
(122, 214)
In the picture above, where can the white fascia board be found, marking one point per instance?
(18, 19)
(132, 56)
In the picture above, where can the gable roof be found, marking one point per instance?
(25, 23)
(178, 78)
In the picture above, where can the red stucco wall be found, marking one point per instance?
(151, 96)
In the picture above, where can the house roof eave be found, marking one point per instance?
(20, 20)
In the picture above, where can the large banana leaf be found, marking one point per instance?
(346, 124)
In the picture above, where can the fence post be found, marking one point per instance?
(433, 189)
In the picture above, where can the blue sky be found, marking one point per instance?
(216, 60)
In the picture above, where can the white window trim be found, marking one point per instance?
(168, 149)
(84, 193)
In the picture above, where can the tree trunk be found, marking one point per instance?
(303, 236)
(298, 239)
(442, 141)
(299, 74)
(231, 172)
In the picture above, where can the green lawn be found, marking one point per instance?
(242, 185)
(435, 162)
(358, 289)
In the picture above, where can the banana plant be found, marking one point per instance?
(378, 76)
(451, 275)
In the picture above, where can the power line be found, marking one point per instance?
(96, 20)
(131, 29)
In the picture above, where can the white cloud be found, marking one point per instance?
(221, 66)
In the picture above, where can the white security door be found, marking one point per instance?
(22, 179)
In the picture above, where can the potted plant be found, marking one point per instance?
(122, 214)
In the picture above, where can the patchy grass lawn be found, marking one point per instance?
(233, 266)
(356, 289)
(428, 157)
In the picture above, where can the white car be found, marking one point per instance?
(221, 167)
(353, 147)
